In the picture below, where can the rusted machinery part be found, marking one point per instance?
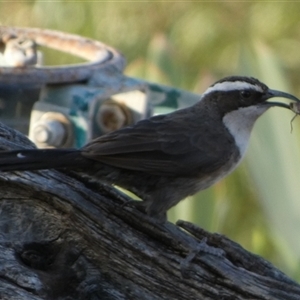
(100, 57)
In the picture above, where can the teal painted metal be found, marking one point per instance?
(166, 99)
(80, 104)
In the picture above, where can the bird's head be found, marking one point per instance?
(239, 101)
(239, 93)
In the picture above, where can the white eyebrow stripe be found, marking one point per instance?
(231, 86)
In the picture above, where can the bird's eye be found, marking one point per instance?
(246, 94)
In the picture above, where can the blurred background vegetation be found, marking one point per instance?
(189, 45)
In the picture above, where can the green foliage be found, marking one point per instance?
(189, 45)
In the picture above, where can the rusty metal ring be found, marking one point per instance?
(100, 57)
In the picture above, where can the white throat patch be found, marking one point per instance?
(240, 123)
(233, 85)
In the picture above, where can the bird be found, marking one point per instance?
(168, 157)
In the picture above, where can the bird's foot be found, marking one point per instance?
(203, 247)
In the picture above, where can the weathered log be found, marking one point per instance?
(67, 237)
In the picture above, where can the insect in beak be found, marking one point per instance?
(295, 107)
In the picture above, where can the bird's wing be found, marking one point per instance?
(159, 145)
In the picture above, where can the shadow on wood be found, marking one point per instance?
(66, 237)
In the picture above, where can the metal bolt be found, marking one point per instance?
(112, 116)
(49, 132)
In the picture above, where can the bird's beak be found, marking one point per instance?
(279, 94)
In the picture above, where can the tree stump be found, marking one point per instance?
(65, 236)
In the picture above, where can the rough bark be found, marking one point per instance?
(67, 237)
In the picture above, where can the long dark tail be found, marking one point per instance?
(35, 159)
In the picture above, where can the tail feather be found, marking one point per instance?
(37, 159)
